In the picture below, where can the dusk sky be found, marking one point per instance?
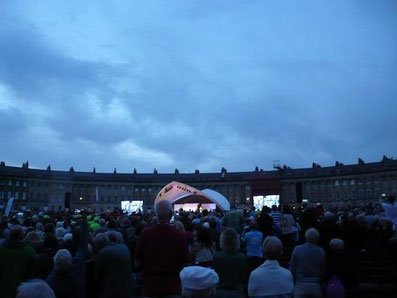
(197, 84)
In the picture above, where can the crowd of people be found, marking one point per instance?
(283, 251)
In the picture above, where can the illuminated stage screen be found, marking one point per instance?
(269, 201)
(131, 206)
(193, 206)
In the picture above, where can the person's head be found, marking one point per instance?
(254, 225)
(336, 245)
(163, 211)
(102, 222)
(27, 222)
(67, 236)
(212, 222)
(312, 236)
(329, 216)
(179, 226)
(16, 233)
(391, 199)
(50, 241)
(272, 248)
(101, 240)
(39, 226)
(112, 224)
(198, 281)
(62, 259)
(286, 209)
(35, 288)
(60, 232)
(32, 238)
(274, 208)
(204, 236)
(114, 236)
(49, 228)
(229, 240)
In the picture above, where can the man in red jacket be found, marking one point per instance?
(161, 253)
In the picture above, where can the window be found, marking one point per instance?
(336, 182)
(352, 181)
(9, 195)
(122, 187)
(344, 182)
(24, 196)
(16, 196)
(136, 189)
(16, 183)
(24, 184)
(2, 182)
(9, 182)
(1, 194)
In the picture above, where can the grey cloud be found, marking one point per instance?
(229, 86)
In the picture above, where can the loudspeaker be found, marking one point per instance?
(299, 193)
(67, 200)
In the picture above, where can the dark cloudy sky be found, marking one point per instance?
(197, 84)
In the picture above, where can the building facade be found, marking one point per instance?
(53, 190)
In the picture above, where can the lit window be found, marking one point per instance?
(9, 182)
(16, 183)
(24, 196)
(336, 182)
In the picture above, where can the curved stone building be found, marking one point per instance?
(53, 190)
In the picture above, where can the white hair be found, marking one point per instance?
(60, 232)
(312, 236)
(101, 240)
(67, 236)
(272, 247)
(336, 244)
(62, 258)
(35, 288)
(163, 211)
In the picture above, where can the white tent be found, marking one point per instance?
(218, 198)
(176, 192)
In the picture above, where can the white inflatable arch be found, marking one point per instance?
(176, 191)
